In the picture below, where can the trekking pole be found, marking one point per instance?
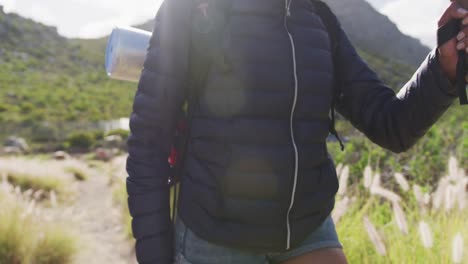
(462, 67)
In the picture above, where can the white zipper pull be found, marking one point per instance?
(287, 7)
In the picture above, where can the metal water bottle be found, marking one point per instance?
(126, 52)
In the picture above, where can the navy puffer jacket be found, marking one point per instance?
(258, 174)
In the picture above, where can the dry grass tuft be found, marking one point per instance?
(426, 234)
(457, 249)
(26, 237)
(401, 180)
(367, 177)
(403, 236)
(374, 236)
(344, 177)
(33, 174)
(400, 218)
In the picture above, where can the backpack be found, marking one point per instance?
(205, 51)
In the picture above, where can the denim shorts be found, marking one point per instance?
(191, 249)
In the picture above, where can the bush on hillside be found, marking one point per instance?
(81, 140)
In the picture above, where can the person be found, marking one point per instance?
(259, 184)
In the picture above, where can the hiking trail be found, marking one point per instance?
(99, 223)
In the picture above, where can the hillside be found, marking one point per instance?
(50, 84)
(370, 30)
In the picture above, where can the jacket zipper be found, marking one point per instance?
(291, 122)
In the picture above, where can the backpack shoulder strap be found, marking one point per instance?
(331, 23)
(209, 19)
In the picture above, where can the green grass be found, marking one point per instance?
(27, 239)
(37, 182)
(401, 248)
(120, 197)
(13, 244)
(38, 173)
(27, 174)
(55, 247)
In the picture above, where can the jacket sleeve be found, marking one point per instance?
(393, 121)
(161, 91)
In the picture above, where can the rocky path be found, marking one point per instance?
(100, 224)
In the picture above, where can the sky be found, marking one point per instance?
(96, 18)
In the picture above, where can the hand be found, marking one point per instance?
(448, 52)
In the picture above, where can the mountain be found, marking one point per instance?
(376, 33)
(379, 3)
(370, 31)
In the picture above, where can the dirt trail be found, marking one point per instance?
(100, 224)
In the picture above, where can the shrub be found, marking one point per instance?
(44, 133)
(3, 108)
(26, 108)
(81, 140)
(98, 135)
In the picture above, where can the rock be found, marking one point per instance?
(104, 154)
(15, 151)
(60, 155)
(18, 143)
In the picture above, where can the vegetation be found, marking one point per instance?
(120, 197)
(401, 248)
(414, 224)
(81, 140)
(43, 176)
(30, 174)
(56, 86)
(25, 181)
(45, 243)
